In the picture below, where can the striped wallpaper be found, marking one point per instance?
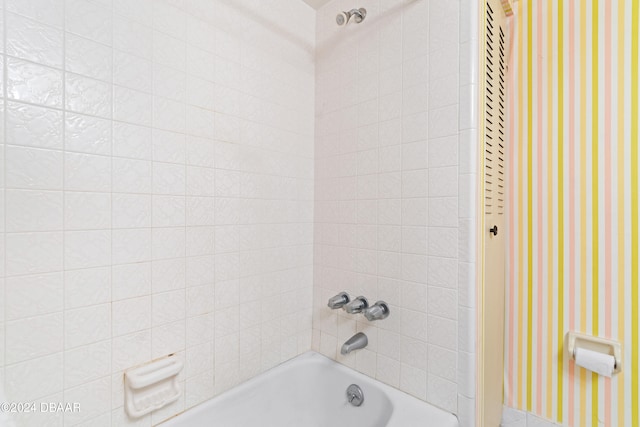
(573, 224)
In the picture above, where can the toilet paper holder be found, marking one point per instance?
(601, 345)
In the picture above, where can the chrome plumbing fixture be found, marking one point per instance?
(338, 301)
(357, 15)
(357, 305)
(355, 396)
(356, 342)
(378, 311)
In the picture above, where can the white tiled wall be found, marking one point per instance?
(157, 191)
(158, 194)
(394, 200)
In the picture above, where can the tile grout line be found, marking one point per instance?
(64, 117)
(4, 179)
(150, 194)
(111, 124)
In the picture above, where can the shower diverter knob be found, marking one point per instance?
(357, 305)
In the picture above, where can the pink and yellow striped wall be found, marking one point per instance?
(573, 225)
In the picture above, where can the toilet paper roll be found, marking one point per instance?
(600, 363)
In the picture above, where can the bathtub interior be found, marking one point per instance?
(303, 398)
(310, 391)
(324, 395)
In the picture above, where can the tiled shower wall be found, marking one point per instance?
(157, 180)
(395, 190)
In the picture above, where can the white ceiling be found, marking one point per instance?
(316, 4)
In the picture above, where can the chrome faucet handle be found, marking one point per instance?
(357, 305)
(338, 301)
(378, 311)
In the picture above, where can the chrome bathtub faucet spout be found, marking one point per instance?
(356, 342)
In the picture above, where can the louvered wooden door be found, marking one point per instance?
(493, 174)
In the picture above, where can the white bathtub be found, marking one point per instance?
(310, 391)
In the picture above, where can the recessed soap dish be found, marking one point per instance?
(151, 386)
